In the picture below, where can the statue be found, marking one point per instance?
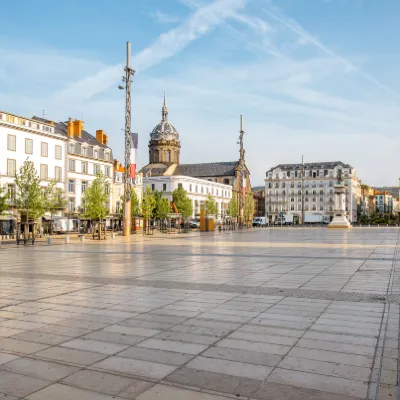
(339, 177)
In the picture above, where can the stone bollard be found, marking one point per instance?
(113, 235)
(67, 239)
(49, 241)
(82, 238)
(369, 225)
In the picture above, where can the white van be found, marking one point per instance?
(260, 222)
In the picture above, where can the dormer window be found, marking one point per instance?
(71, 147)
(107, 156)
(96, 154)
(84, 151)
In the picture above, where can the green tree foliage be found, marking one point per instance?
(135, 204)
(148, 204)
(233, 208)
(211, 206)
(162, 208)
(28, 196)
(55, 200)
(3, 200)
(182, 202)
(248, 209)
(96, 198)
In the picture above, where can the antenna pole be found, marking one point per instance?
(127, 173)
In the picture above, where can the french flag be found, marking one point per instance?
(134, 147)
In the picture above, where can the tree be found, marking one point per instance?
(162, 208)
(182, 202)
(54, 200)
(248, 209)
(148, 204)
(96, 198)
(233, 208)
(28, 196)
(210, 206)
(135, 204)
(3, 200)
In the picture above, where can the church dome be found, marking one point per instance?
(164, 130)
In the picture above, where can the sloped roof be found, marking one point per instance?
(316, 165)
(86, 137)
(157, 169)
(204, 170)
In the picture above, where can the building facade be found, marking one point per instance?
(367, 201)
(297, 188)
(384, 202)
(38, 141)
(259, 201)
(197, 190)
(164, 161)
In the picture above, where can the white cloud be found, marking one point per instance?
(164, 18)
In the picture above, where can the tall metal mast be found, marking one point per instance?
(241, 173)
(127, 174)
(302, 190)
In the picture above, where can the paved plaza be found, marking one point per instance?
(272, 314)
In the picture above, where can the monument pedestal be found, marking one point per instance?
(339, 219)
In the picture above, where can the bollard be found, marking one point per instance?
(82, 238)
(113, 235)
(67, 239)
(369, 225)
(49, 241)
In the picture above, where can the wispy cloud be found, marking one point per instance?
(164, 18)
(291, 24)
(202, 21)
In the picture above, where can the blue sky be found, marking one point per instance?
(312, 77)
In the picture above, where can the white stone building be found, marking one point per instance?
(39, 141)
(285, 185)
(86, 156)
(197, 190)
(384, 202)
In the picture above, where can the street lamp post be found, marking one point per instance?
(127, 173)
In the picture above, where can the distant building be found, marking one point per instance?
(285, 186)
(164, 161)
(367, 201)
(384, 202)
(259, 201)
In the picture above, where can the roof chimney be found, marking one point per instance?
(101, 137)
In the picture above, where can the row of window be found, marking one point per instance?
(84, 186)
(85, 168)
(24, 122)
(309, 174)
(298, 208)
(44, 147)
(224, 193)
(44, 170)
(88, 151)
(292, 192)
(299, 184)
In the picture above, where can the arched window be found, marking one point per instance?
(226, 181)
(155, 156)
(168, 156)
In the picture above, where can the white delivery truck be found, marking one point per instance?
(316, 219)
(64, 225)
(260, 222)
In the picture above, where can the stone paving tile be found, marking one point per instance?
(163, 392)
(127, 330)
(319, 382)
(245, 356)
(338, 347)
(171, 345)
(21, 346)
(326, 368)
(63, 392)
(40, 337)
(135, 367)
(20, 385)
(111, 337)
(73, 356)
(46, 370)
(254, 346)
(214, 381)
(187, 337)
(94, 346)
(109, 384)
(227, 367)
(7, 357)
(277, 391)
(154, 355)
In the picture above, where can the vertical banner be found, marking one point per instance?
(134, 146)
